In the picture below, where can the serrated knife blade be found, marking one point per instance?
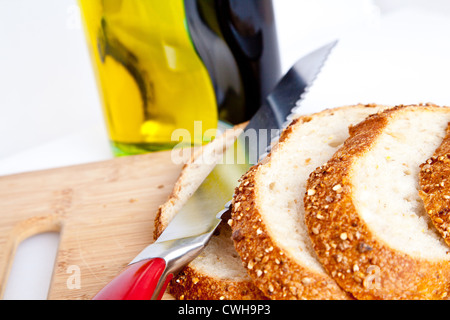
(147, 276)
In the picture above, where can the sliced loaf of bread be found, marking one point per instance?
(435, 187)
(269, 231)
(364, 215)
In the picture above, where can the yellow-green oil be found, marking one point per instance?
(152, 82)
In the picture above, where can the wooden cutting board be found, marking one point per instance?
(103, 211)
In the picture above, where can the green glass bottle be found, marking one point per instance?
(151, 79)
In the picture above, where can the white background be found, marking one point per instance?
(390, 51)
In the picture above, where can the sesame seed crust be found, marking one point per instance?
(278, 275)
(190, 284)
(435, 187)
(359, 261)
(273, 271)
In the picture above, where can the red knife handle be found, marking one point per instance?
(147, 276)
(137, 282)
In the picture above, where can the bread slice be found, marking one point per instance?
(365, 218)
(435, 187)
(217, 273)
(269, 232)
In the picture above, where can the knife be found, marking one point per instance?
(147, 276)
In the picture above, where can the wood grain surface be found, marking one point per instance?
(103, 211)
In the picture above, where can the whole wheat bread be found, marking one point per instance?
(268, 226)
(364, 215)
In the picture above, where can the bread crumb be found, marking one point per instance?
(306, 281)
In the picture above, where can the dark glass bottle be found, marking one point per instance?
(237, 42)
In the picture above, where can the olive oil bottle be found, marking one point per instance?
(152, 81)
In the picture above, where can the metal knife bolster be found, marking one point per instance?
(177, 253)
